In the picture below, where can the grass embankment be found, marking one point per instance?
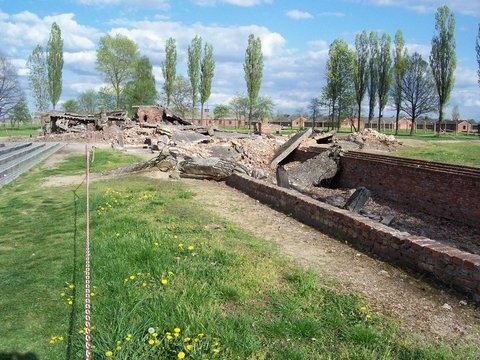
(169, 281)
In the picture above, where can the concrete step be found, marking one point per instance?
(19, 164)
(16, 153)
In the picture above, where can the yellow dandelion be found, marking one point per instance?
(187, 339)
(176, 330)
(216, 350)
(71, 286)
(157, 342)
(81, 331)
(70, 302)
(170, 273)
(180, 245)
(60, 338)
(151, 341)
(118, 348)
(164, 281)
(156, 243)
(144, 284)
(368, 316)
(363, 308)
(108, 353)
(93, 327)
(169, 337)
(132, 277)
(117, 234)
(189, 347)
(191, 247)
(92, 293)
(155, 334)
(119, 342)
(181, 355)
(62, 294)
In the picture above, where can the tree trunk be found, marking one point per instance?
(359, 113)
(396, 120)
(201, 114)
(440, 117)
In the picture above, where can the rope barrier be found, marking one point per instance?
(88, 338)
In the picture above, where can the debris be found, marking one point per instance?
(358, 199)
(211, 168)
(287, 148)
(316, 171)
(372, 138)
(384, 273)
(446, 306)
(387, 219)
(282, 177)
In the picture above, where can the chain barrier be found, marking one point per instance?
(88, 337)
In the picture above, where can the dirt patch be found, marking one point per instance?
(392, 292)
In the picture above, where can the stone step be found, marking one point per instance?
(13, 169)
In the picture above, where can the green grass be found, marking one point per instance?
(161, 262)
(458, 152)
(23, 130)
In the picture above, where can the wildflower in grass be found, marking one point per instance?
(189, 347)
(117, 234)
(151, 330)
(368, 317)
(151, 342)
(108, 353)
(170, 273)
(156, 243)
(164, 281)
(177, 330)
(131, 277)
(363, 308)
(191, 247)
(118, 348)
(180, 245)
(181, 355)
(128, 337)
(187, 339)
(216, 350)
(55, 339)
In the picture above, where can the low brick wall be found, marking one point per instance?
(452, 267)
(449, 191)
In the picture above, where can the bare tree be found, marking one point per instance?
(38, 77)
(10, 90)
(455, 116)
(418, 89)
(314, 107)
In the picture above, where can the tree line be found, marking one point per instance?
(373, 70)
(381, 74)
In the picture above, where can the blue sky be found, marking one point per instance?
(295, 39)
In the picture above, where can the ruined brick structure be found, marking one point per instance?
(453, 267)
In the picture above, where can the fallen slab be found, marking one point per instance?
(287, 148)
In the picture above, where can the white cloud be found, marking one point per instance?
(243, 3)
(299, 15)
(152, 4)
(331, 14)
(467, 7)
(25, 30)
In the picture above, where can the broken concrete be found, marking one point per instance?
(287, 148)
(316, 171)
(358, 199)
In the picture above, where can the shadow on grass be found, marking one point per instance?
(73, 311)
(17, 356)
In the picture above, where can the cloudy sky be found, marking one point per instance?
(295, 39)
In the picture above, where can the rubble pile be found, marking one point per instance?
(373, 139)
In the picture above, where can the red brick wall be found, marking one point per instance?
(444, 190)
(453, 267)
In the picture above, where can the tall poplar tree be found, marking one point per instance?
(399, 66)
(207, 69)
(360, 71)
(38, 78)
(55, 64)
(253, 68)
(372, 74)
(169, 68)
(194, 53)
(443, 58)
(384, 77)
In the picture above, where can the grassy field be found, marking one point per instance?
(24, 130)
(170, 281)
